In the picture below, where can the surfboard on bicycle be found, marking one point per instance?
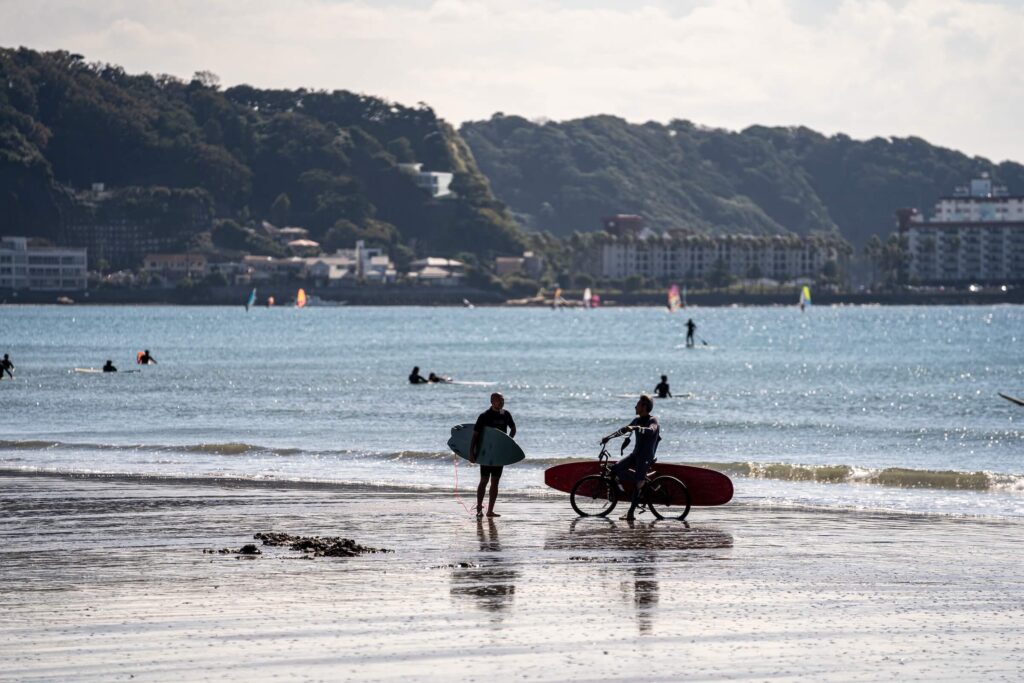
(707, 487)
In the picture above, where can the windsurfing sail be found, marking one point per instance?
(587, 297)
(252, 299)
(674, 302)
(300, 299)
(557, 301)
(805, 296)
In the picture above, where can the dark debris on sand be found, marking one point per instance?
(318, 546)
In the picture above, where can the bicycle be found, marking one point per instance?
(596, 495)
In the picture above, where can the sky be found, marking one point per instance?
(949, 71)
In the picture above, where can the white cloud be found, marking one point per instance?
(945, 70)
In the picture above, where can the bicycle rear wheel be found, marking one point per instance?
(593, 496)
(668, 497)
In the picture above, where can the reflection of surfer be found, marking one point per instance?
(145, 359)
(691, 327)
(496, 416)
(109, 367)
(492, 581)
(415, 377)
(438, 378)
(6, 366)
(662, 390)
(648, 434)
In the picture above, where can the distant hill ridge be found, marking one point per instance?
(327, 161)
(564, 176)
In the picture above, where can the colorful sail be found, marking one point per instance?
(805, 296)
(587, 297)
(252, 299)
(674, 302)
(300, 299)
(270, 301)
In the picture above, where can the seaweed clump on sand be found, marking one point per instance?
(318, 546)
(247, 549)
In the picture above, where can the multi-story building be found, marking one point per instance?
(41, 268)
(975, 236)
(690, 257)
(175, 267)
(121, 226)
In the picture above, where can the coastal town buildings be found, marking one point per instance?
(175, 267)
(41, 268)
(689, 257)
(437, 271)
(976, 236)
(529, 264)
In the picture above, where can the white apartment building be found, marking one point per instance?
(975, 236)
(41, 268)
(694, 257)
(437, 183)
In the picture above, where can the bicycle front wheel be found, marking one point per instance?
(668, 497)
(593, 496)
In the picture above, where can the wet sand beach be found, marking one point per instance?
(108, 580)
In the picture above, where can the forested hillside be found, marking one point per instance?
(562, 177)
(326, 161)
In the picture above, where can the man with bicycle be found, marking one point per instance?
(648, 434)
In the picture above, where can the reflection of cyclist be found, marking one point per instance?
(648, 434)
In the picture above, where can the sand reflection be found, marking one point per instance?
(634, 550)
(491, 580)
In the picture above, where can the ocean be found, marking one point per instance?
(862, 408)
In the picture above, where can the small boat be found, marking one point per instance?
(65, 301)
(313, 300)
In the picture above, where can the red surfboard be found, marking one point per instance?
(707, 487)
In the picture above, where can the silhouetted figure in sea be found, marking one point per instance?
(416, 378)
(6, 366)
(109, 367)
(145, 359)
(662, 390)
(691, 327)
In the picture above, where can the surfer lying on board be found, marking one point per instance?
(6, 366)
(662, 390)
(496, 416)
(648, 434)
(415, 377)
(109, 367)
(438, 378)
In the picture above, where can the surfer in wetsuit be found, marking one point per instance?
(691, 327)
(648, 434)
(109, 367)
(438, 379)
(662, 390)
(496, 416)
(145, 359)
(416, 378)
(6, 366)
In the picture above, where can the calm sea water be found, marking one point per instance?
(890, 408)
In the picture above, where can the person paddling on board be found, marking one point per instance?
(662, 390)
(109, 367)
(648, 434)
(496, 416)
(691, 327)
(438, 379)
(145, 359)
(415, 377)
(6, 366)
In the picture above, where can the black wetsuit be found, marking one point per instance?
(502, 421)
(6, 366)
(417, 378)
(645, 449)
(691, 327)
(109, 367)
(662, 390)
(146, 359)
